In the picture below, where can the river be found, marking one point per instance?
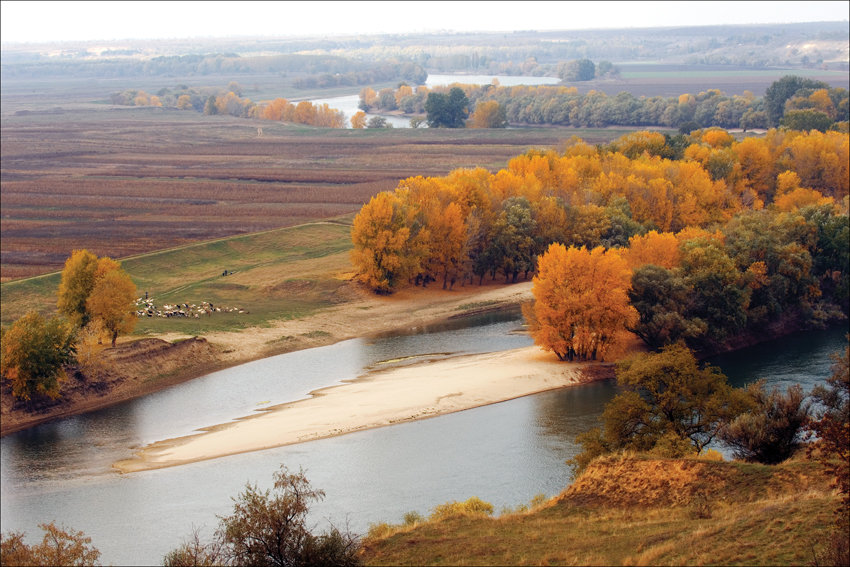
(348, 104)
(503, 453)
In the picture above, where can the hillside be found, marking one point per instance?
(637, 511)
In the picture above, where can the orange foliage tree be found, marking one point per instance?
(581, 304)
(381, 242)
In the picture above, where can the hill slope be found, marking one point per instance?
(635, 511)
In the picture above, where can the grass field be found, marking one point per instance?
(277, 274)
(688, 514)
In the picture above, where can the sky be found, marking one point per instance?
(46, 21)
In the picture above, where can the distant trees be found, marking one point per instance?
(806, 107)
(577, 70)
(781, 91)
(488, 114)
(447, 110)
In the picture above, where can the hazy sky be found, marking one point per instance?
(57, 21)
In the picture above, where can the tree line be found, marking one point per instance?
(794, 102)
(729, 237)
(230, 102)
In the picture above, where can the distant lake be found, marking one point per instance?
(348, 104)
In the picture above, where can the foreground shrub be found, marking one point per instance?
(471, 507)
(58, 547)
(773, 429)
(268, 528)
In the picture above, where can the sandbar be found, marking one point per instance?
(377, 399)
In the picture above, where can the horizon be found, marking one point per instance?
(27, 22)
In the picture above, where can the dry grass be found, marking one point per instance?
(757, 516)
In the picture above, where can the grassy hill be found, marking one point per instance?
(276, 274)
(636, 511)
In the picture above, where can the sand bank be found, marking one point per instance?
(374, 400)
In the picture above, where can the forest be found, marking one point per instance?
(705, 237)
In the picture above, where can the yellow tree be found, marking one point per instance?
(77, 281)
(358, 121)
(381, 240)
(275, 109)
(489, 114)
(660, 249)
(305, 113)
(447, 247)
(33, 353)
(111, 302)
(581, 304)
(184, 102)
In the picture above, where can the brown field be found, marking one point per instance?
(77, 172)
(122, 182)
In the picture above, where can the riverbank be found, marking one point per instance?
(377, 399)
(178, 358)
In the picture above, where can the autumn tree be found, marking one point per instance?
(489, 114)
(57, 547)
(381, 243)
(33, 353)
(358, 121)
(97, 287)
(77, 281)
(660, 249)
(112, 303)
(581, 305)
(669, 406)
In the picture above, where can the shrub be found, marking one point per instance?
(772, 430)
(58, 547)
(472, 507)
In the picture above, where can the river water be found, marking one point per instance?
(503, 453)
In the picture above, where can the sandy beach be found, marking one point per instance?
(374, 400)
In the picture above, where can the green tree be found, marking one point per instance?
(660, 298)
(578, 70)
(447, 110)
(782, 90)
(58, 547)
(33, 353)
(805, 120)
(669, 405)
